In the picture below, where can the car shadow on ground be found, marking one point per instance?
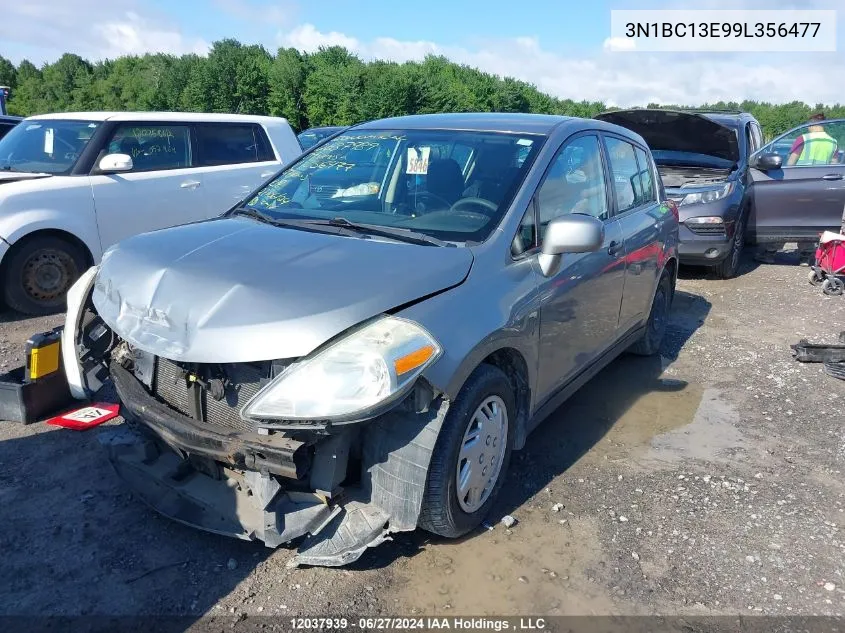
(76, 542)
(748, 263)
(579, 425)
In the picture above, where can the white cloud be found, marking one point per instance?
(44, 29)
(306, 37)
(275, 13)
(619, 78)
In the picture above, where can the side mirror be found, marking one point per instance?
(113, 163)
(575, 233)
(768, 161)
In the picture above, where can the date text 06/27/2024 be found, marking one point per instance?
(432, 623)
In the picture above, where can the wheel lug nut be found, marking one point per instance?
(481, 459)
(484, 472)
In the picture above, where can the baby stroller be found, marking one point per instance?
(830, 263)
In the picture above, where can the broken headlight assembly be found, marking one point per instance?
(352, 379)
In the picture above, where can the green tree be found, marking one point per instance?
(8, 73)
(287, 82)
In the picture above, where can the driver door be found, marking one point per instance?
(797, 202)
(580, 304)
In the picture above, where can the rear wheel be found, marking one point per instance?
(39, 272)
(471, 455)
(815, 277)
(833, 286)
(727, 269)
(658, 320)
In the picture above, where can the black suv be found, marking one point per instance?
(702, 158)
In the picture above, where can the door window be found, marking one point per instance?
(649, 194)
(575, 183)
(627, 177)
(153, 146)
(232, 144)
(817, 143)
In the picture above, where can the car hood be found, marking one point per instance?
(16, 176)
(669, 130)
(237, 290)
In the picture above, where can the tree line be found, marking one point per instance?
(329, 87)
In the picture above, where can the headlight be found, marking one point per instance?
(710, 195)
(368, 368)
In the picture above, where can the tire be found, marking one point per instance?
(38, 273)
(833, 286)
(815, 276)
(728, 267)
(443, 513)
(658, 319)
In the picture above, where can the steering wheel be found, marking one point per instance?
(481, 202)
(433, 196)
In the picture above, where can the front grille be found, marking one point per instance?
(703, 229)
(244, 380)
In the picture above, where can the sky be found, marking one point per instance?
(561, 46)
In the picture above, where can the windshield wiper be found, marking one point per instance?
(404, 235)
(252, 212)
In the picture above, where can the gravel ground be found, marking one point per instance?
(707, 481)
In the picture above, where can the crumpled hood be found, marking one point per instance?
(236, 290)
(673, 131)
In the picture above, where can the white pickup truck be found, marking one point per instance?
(73, 184)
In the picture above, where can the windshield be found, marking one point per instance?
(309, 138)
(451, 185)
(48, 146)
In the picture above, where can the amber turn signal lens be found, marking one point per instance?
(413, 360)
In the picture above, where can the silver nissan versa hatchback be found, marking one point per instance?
(358, 346)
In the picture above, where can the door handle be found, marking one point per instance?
(614, 248)
(832, 177)
(190, 184)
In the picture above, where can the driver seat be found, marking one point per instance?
(445, 179)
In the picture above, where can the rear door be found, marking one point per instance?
(579, 310)
(234, 158)
(800, 200)
(163, 189)
(640, 221)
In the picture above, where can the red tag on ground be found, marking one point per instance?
(86, 417)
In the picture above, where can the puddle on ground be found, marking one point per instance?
(536, 569)
(632, 415)
(633, 411)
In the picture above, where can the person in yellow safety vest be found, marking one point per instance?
(814, 147)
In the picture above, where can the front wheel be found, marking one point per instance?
(728, 268)
(471, 455)
(39, 272)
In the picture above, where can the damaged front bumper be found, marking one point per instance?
(276, 488)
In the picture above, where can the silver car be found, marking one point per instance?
(356, 348)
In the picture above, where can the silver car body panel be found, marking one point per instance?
(237, 290)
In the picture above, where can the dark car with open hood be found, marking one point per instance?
(733, 189)
(357, 347)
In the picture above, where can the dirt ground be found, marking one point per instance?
(706, 481)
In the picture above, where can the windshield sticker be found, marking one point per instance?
(418, 160)
(48, 140)
(525, 141)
